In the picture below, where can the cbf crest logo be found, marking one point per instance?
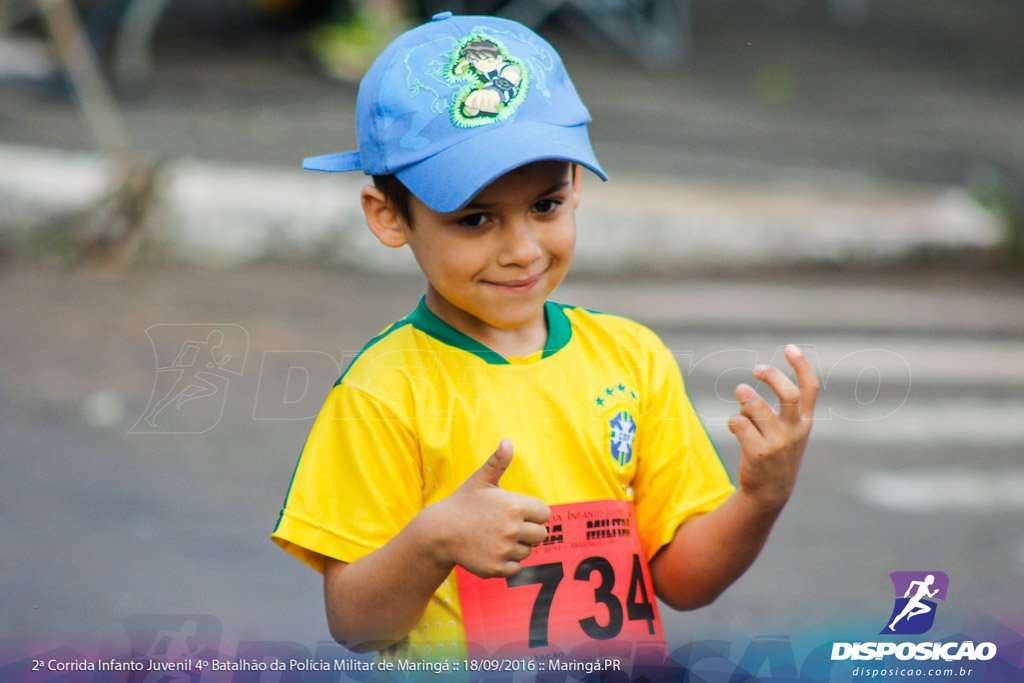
(496, 82)
(914, 610)
(622, 429)
(618, 403)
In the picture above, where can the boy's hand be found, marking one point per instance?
(486, 530)
(772, 442)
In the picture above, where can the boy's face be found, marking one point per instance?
(492, 265)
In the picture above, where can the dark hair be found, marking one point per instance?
(396, 194)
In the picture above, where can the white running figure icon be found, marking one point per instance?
(914, 606)
(192, 383)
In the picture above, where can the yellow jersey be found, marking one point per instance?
(599, 414)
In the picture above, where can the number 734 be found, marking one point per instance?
(638, 605)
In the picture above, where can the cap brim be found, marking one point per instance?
(345, 161)
(448, 180)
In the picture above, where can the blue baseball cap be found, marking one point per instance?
(453, 104)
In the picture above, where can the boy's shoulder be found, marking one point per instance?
(620, 330)
(390, 350)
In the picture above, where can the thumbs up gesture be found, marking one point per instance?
(490, 530)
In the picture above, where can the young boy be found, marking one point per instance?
(496, 469)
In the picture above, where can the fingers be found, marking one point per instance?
(772, 442)
(520, 552)
(535, 510)
(796, 401)
(509, 568)
(806, 379)
(533, 534)
(530, 536)
(490, 472)
(754, 408)
(510, 562)
(746, 433)
(788, 393)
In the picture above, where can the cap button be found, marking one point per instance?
(441, 16)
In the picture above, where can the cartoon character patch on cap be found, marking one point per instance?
(497, 82)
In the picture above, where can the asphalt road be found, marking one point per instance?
(915, 461)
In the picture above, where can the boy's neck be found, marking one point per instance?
(509, 343)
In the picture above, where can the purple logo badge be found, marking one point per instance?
(914, 610)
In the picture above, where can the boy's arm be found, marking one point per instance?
(711, 551)
(378, 599)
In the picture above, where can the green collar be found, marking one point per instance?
(424, 320)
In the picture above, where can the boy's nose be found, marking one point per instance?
(519, 246)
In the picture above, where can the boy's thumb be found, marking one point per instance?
(490, 472)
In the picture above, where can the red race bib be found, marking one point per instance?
(588, 582)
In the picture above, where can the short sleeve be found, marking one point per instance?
(679, 473)
(357, 484)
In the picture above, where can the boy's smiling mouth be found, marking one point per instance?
(519, 285)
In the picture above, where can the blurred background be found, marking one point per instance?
(177, 298)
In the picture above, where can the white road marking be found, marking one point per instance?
(838, 358)
(971, 421)
(948, 490)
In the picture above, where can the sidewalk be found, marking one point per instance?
(778, 143)
(218, 214)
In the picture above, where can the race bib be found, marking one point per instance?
(587, 583)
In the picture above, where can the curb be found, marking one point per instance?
(219, 214)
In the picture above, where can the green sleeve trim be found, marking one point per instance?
(287, 493)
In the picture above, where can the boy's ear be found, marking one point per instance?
(382, 218)
(577, 182)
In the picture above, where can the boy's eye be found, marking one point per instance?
(546, 205)
(474, 220)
